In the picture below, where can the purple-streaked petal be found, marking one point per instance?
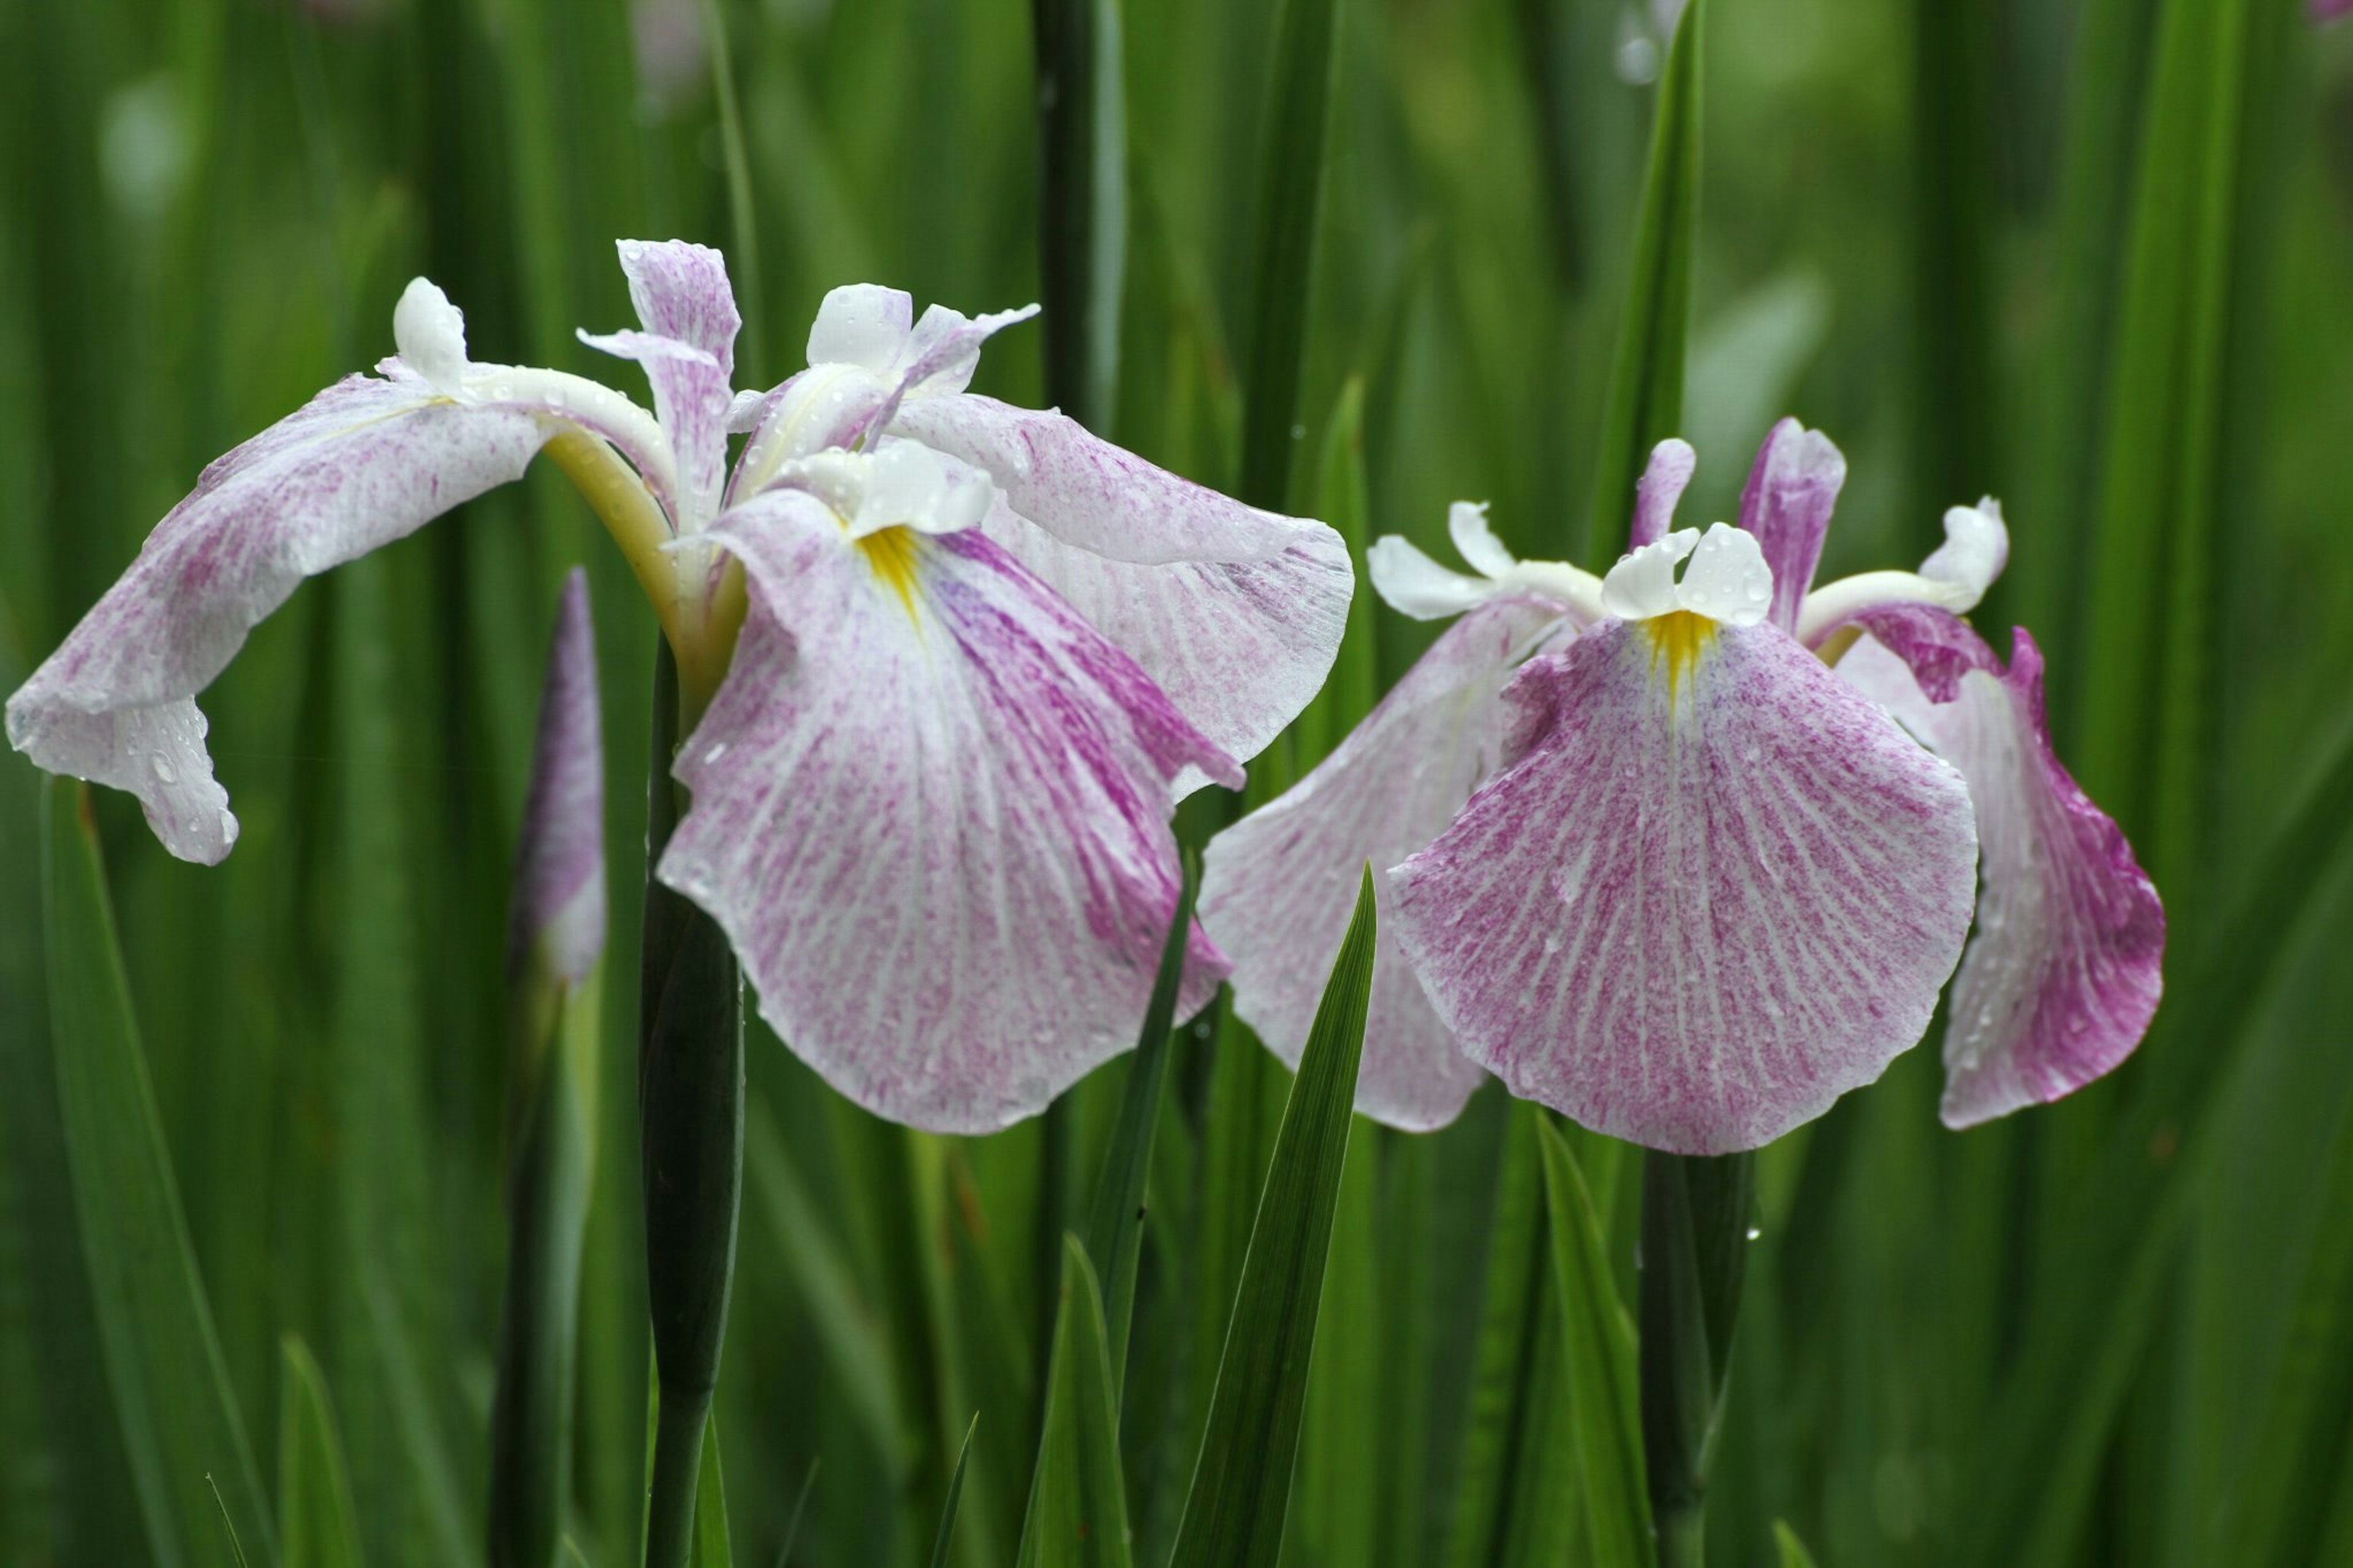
(688, 352)
(1659, 489)
(1791, 491)
(559, 908)
(1719, 889)
(365, 462)
(931, 812)
(1278, 886)
(2066, 968)
(1935, 646)
(1238, 646)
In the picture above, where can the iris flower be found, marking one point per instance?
(949, 663)
(1687, 858)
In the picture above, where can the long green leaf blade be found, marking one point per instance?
(1077, 1501)
(1646, 383)
(1241, 1482)
(1081, 202)
(947, 1536)
(318, 1526)
(172, 1399)
(1604, 1404)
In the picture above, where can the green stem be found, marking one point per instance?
(1694, 1256)
(691, 1127)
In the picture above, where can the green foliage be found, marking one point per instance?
(1077, 1516)
(317, 1527)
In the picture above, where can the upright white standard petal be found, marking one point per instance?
(687, 350)
(365, 462)
(430, 334)
(1727, 580)
(863, 324)
(1277, 887)
(930, 810)
(1475, 541)
(1642, 584)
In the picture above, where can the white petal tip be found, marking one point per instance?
(430, 333)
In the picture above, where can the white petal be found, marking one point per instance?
(1642, 584)
(1727, 580)
(430, 334)
(863, 324)
(1411, 584)
(1976, 548)
(1475, 541)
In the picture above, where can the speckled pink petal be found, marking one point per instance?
(1658, 492)
(1278, 887)
(1719, 889)
(687, 350)
(559, 902)
(1791, 491)
(1239, 646)
(364, 463)
(1236, 613)
(2067, 965)
(931, 812)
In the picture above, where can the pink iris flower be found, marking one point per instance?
(1687, 858)
(953, 662)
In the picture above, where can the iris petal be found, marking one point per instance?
(931, 812)
(1792, 490)
(1717, 889)
(1278, 887)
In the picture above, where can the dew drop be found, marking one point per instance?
(717, 751)
(1754, 1233)
(162, 769)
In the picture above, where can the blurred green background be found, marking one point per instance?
(1990, 246)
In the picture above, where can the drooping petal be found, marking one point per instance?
(1475, 541)
(2066, 968)
(1792, 490)
(1411, 584)
(1659, 489)
(1238, 646)
(1236, 613)
(931, 809)
(1278, 886)
(688, 351)
(1717, 890)
(365, 462)
(559, 908)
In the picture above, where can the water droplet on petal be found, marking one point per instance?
(718, 750)
(162, 769)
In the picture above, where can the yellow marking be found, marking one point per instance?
(893, 553)
(1678, 637)
(1835, 645)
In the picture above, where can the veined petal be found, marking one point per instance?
(1792, 490)
(2066, 968)
(364, 463)
(931, 812)
(1238, 646)
(559, 908)
(688, 352)
(1659, 489)
(1719, 888)
(1278, 887)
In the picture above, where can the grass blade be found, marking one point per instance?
(1081, 203)
(1241, 1482)
(941, 1542)
(1792, 1551)
(1646, 383)
(1077, 1501)
(1297, 126)
(1115, 1229)
(1605, 1413)
(178, 1418)
(712, 1549)
(318, 1526)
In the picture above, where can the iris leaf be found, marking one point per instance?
(1241, 1481)
(178, 1418)
(1081, 202)
(947, 1536)
(317, 1527)
(1077, 1516)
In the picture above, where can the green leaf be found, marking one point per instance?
(1646, 381)
(1078, 1501)
(1955, 111)
(1115, 1229)
(317, 1527)
(1604, 1402)
(172, 1399)
(1792, 1550)
(947, 1536)
(1081, 203)
(1344, 500)
(712, 1547)
(1291, 167)
(1241, 1481)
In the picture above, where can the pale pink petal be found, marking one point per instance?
(687, 350)
(559, 906)
(364, 463)
(1238, 646)
(1278, 887)
(863, 324)
(2066, 968)
(1659, 489)
(1791, 491)
(931, 812)
(1718, 891)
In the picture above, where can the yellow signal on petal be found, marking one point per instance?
(893, 553)
(1677, 640)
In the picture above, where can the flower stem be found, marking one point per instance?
(691, 1126)
(1694, 1257)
